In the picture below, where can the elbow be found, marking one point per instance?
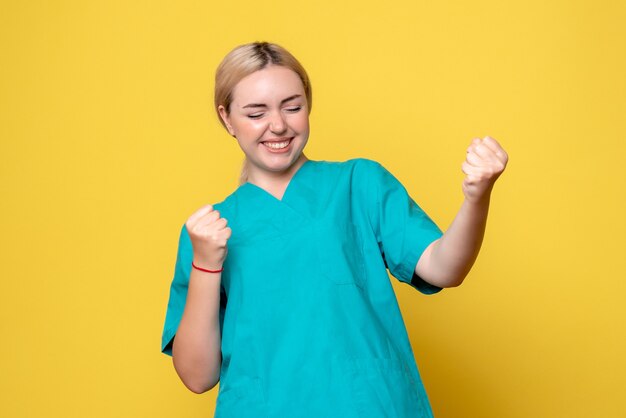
(453, 283)
(196, 378)
(447, 281)
(443, 278)
(200, 387)
(454, 280)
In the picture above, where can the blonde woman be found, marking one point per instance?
(281, 292)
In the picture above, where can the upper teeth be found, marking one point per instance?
(277, 145)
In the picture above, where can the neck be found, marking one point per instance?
(275, 183)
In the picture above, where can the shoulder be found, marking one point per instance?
(358, 173)
(229, 203)
(367, 166)
(365, 178)
(354, 166)
(353, 162)
(366, 172)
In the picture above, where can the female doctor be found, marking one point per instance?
(281, 291)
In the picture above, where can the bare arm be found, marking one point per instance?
(196, 351)
(197, 347)
(446, 262)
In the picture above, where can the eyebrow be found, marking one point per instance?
(295, 96)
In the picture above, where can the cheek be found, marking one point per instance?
(301, 123)
(249, 129)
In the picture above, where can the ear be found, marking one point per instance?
(225, 117)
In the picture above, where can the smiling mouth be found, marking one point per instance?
(277, 144)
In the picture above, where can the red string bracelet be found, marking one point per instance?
(205, 270)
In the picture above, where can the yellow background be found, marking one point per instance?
(109, 142)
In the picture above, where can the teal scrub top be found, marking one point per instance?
(310, 323)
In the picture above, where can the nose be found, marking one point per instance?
(277, 123)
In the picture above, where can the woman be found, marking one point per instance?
(288, 303)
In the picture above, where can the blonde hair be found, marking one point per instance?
(245, 60)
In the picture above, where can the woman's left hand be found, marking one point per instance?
(484, 163)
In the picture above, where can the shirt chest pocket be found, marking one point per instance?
(339, 249)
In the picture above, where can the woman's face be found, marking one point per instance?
(269, 117)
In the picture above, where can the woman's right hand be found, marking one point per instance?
(209, 235)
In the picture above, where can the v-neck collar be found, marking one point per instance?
(259, 216)
(286, 194)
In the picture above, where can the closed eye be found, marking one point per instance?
(291, 109)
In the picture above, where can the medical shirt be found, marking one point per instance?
(310, 323)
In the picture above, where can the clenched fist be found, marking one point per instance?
(209, 235)
(484, 163)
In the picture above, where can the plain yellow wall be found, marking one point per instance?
(109, 142)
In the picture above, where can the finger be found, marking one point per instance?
(485, 153)
(474, 160)
(486, 169)
(220, 224)
(200, 213)
(210, 217)
(491, 143)
(209, 222)
(474, 142)
(221, 237)
(470, 170)
(496, 148)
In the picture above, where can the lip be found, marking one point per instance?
(279, 139)
(281, 150)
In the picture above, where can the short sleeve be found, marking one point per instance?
(178, 292)
(402, 228)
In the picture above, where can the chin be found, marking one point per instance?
(279, 167)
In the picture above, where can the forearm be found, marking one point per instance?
(197, 346)
(448, 260)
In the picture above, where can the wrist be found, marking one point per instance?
(200, 264)
(477, 203)
(478, 196)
